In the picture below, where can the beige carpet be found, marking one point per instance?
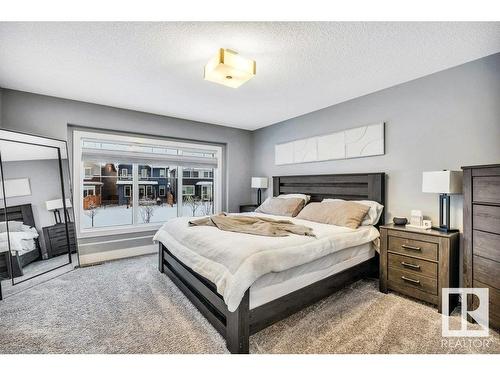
(126, 306)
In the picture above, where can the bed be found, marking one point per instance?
(238, 309)
(23, 254)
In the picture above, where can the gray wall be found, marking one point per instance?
(49, 116)
(441, 121)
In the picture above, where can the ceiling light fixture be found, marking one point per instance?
(229, 69)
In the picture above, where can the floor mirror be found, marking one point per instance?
(37, 232)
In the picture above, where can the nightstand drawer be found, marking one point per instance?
(411, 280)
(406, 246)
(418, 266)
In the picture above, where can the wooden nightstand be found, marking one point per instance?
(55, 240)
(419, 263)
(248, 207)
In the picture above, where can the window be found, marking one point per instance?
(188, 190)
(206, 192)
(150, 166)
(88, 172)
(88, 191)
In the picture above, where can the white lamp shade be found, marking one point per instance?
(449, 182)
(259, 182)
(57, 204)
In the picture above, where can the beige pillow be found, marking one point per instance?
(341, 213)
(281, 206)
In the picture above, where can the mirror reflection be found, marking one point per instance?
(37, 233)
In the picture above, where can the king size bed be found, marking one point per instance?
(243, 283)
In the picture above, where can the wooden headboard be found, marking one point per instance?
(22, 213)
(356, 186)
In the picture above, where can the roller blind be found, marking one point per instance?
(120, 152)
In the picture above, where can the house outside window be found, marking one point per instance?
(123, 186)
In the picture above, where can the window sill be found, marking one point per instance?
(109, 231)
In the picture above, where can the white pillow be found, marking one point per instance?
(14, 226)
(373, 214)
(305, 197)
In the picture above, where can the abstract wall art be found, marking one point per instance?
(350, 143)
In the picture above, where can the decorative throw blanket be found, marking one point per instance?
(259, 226)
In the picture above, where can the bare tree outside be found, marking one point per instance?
(147, 207)
(91, 212)
(192, 202)
(206, 208)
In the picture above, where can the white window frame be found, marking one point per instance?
(144, 173)
(160, 188)
(188, 186)
(124, 174)
(129, 191)
(149, 190)
(78, 170)
(89, 188)
(162, 175)
(88, 175)
(206, 191)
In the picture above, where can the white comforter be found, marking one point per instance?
(22, 241)
(234, 261)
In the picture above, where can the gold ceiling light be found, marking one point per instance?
(229, 69)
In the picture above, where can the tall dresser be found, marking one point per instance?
(482, 234)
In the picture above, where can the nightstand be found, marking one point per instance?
(55, 239)
(248, 207)
(419, 263)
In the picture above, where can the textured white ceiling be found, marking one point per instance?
(301, 67)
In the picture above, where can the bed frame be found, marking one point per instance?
(22, 213)
(236, 327)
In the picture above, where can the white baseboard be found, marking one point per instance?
(89, 259)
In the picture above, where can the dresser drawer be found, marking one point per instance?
(486, 218)
(406, 246)
(486, 271)
(486, 189)
(494, 303)
(486, 245)
(406, 279)
(418, 266)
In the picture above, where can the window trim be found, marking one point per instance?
(85, 172)
(188, 186)
(160, 188)
(78, 171)
(125, 191)
(124, 174)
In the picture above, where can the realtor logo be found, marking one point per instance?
(480, 314)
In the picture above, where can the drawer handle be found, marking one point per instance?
(409, 265)
(410, 280)
(408, 247)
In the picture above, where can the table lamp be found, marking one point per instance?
(259, 183)
(444, 183)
